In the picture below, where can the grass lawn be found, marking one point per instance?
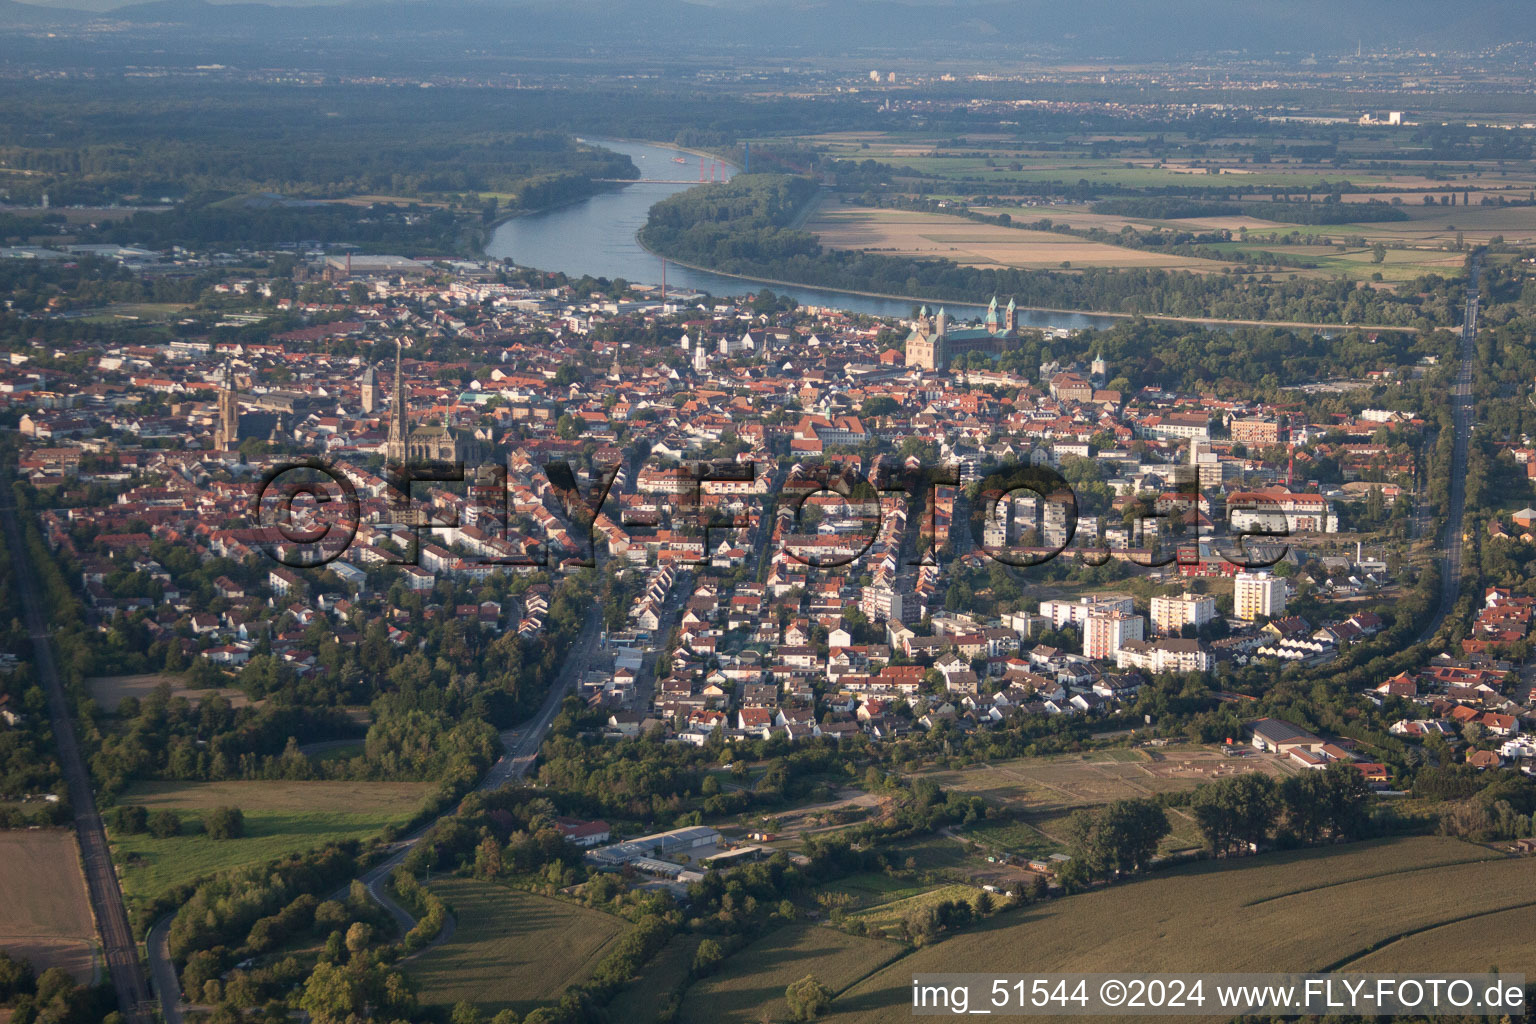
(1365, 906)
(511, 949)
(749, 986)
(930, 853)
(280, 818)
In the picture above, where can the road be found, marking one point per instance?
(520, 747)
(1462, 409)
(121, 951)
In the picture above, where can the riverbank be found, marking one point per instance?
(964, 303)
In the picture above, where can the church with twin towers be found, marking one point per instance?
(933, 343)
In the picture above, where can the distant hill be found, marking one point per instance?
(941, 30)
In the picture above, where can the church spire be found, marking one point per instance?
(394, 449)
(228, 434)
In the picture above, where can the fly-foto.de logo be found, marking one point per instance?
(820, 515)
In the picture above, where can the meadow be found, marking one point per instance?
(109, 691)
(45, 912)
(280, 818)
(510, 949)
(749, 985)
(1355, 907)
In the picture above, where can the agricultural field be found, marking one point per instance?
(280, 818)
(939, 236)
(1000, 158)
(511, 949)
(641, 1001)
(1501, 941)
(749, 986)
(1013, 170)
(1070, 781)
(1310, 910)
(109, 691)
(45, 912)
(1039, 794)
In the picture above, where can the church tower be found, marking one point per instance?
(1011, 319)
(227, 437)
(395, 447)
(991, 319)
(369, 386)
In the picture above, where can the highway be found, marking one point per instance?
(1462, 408)
(520, 747)
(106, 898)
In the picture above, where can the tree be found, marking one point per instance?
(1118, 838)
(488, 863)
(131, 819)
(1237, 811)
(16, 977)
(164, 824)
(332, 994)
(358, 937)
(706, 958)
(1329, 803)
(464, 1012)
(226, 823)
(807, 998)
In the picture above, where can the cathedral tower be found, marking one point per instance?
(399, 417)
(227, 436)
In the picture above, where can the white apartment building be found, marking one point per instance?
(1164, 656)
(1258, 595)
(1171, 614)
(1075, 613)
(1105, 631)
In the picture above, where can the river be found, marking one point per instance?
(596, 236)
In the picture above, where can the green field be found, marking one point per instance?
(939, 854)
(280, 818)
(1501, 941)
(870, 889)
(641, 1001)
(510, 949)
(888, 916)
(1299, 911)
(749, 986)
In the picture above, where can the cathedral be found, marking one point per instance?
(933, 343)
(227, 436)
(428, 442)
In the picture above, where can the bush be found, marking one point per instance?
(132, 819)
(164, 824)
(808, 998)
(226, 823)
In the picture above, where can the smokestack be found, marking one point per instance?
(1357, 552)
